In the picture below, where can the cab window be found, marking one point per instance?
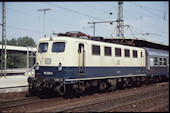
(58, 47)
(43, 47)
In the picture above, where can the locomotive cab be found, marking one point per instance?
(52, 56)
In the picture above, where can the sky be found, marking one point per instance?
(147, 20)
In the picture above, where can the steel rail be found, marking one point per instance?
(24, 102)
(17, 103)
(131, 104)
(114, 100)
(9, 103)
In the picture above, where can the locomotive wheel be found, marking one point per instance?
(147, 80)
(32, 91)
(112, 88)
(157, 79)
(120, 86)
(45, 92)
(103, 86)
(62, 89)
(138, 81)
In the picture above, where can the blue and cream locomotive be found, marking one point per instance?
(64, 62)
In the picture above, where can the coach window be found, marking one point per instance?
(43, 47)
(155, 61)
(58, 47)
(151, 61)
(160, 61)
(135, 55)
(95, 50)
(164, 62)
(168, 61)
(107, 51)
(127, 53)
(118, 52)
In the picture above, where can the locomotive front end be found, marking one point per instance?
(49, 74)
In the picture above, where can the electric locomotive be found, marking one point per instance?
(79, 63)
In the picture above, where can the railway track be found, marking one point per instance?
(11, 105)
(106, 104)
(14, 103)
(121, 103)
(133, 105)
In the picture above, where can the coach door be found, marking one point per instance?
(81, 59)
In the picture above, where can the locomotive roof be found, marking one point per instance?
(84, 39)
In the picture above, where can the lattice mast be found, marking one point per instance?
(3, 51)
(120, 21)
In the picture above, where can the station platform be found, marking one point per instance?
(17, 71)
(15, 83)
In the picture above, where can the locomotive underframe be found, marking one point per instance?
(37, 84)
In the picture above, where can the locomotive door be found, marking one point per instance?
(142, 60)
(81, 59)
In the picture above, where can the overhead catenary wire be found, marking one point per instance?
(26, 13)
(144, 32)
(23, 12)
(106, 4)
(106, 11)
(55, 5)
(24, 29)
(150, 8)
(83, 4)
(146, 9)
(92, 7)
(32, 15)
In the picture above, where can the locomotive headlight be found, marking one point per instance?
(37, 66)
(59, 67)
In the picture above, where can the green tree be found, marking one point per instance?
(19, 60)
(21, 41)
(13, 42)
(16, 61)
(26, 41)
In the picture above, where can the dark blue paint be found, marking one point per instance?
(90, 72)
(158, 74)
